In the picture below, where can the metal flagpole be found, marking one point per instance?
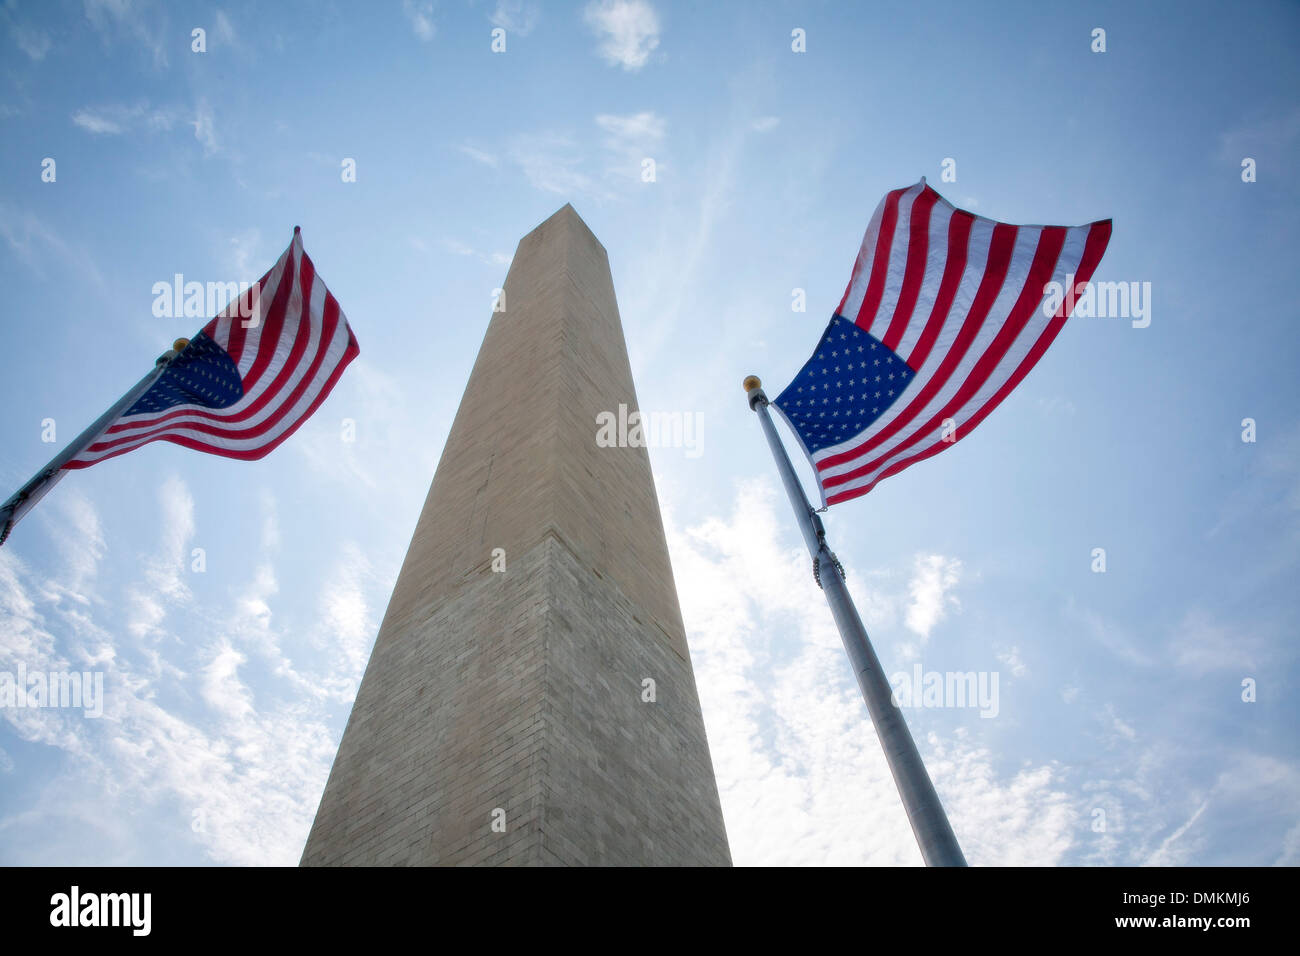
(924, 811)
(25, 498)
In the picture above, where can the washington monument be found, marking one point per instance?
(530, 698)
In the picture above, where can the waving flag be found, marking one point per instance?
(252, 375)
(239, 388)
(943, 316)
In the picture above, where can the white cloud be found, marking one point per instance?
(270, 520)
(552, 162)
(1202, 646)
(933, 577)
(516, 16)
(1011, 658)
(629, 140)
(420, 13)
(765, 124)
(1056, 406)
(245, 254)
(800, 772)
(480, 156)
(35, 43)
(164, 583)
(459, 248)
(1167, 854)
(204, 128)
(97, 124)
(225, 30)
(1289, 855)
(117, 119)
(1109, 635)
(212, 763)
(37, 245)
(638, 128)
(628, 31)
(367, 395)
(80, 541)
(221, 686)
(347, 622)
(1123, 729)
(142, 23)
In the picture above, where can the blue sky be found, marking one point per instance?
(227, 689)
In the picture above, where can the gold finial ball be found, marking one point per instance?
(179, 345)
(752, 382)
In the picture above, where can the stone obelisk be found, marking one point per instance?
(507, 714)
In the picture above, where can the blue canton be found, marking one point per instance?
(849, 382)
(203, 374)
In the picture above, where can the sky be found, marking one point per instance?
(1145, 713)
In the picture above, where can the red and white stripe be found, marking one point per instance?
(288, 361)
(960, 299)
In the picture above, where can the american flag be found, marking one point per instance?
(942, 318)
(251, 376)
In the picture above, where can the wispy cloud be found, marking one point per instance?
(627, 31)
(420, 13)
(933, 578)
(144, 23)
(459, 248)
(93, 123)
(204, 124)
(644, 128)
(35, 43)
(516, 16)
(479, 155)
(211, 762)
(1201, 645)
(245, 254)
(164, 584)
(1010, 657)
(765, 124)
(116, 119)
(629, 140)
(36, 244)
(552, 162)
(559, 162)
(801, 776)
(1268, 141)
(223, 28)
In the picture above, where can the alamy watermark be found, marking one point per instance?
(1100, 300)
(946, 689)
(80, 689)
(202, 300)
(637, 429)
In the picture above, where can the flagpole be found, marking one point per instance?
(25, 498)
(930, 825)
